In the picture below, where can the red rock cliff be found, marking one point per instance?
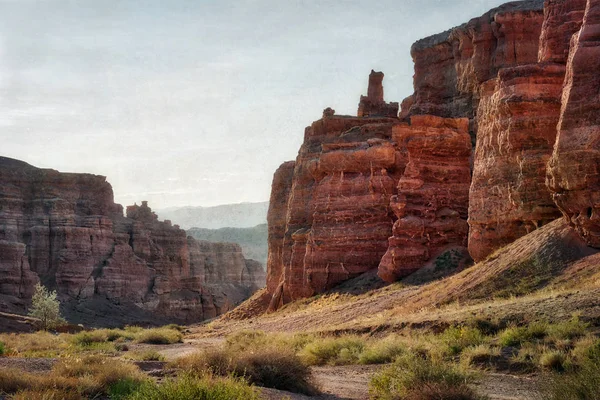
(504, 73)
(66, 231)
(574, 172)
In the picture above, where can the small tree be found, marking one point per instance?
(46, 308)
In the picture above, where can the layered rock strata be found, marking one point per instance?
(574, 170)
(334, 200)
(433, 194)
(66, 231)
(501, 78)
(517, 119)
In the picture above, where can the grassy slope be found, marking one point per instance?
(548, 274)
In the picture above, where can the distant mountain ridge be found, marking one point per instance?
(241, 215)
(252, 240)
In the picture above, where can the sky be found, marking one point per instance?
(196, 102)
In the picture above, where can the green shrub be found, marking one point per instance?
(2, 349)
(273, 367)
(188, 387)
(456, 339)
(123, 388)
(572, 329)
(244, 340)
(553, 360)
(46, 308)
(334, 351)
(410, 376)
(516, 336)
(159, 336)
(86, 338)
(482, 355)
(382, 351)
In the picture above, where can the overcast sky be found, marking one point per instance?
(195, 102)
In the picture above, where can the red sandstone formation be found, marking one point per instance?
(335, 207)
(503, 71)
(433, 194)
(573, 172)
(562, 18)
(373, 104)
(517, 119)
(330, 218)
(65, 230)
(450, 66)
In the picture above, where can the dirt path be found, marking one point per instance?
(177, 350)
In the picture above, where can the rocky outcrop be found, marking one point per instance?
(332, 211)
(66, 231)
(562, 19)
(433, 194)
(517, 119)
(450, 66)
(335, 205)
(573, 172)
(373, 104)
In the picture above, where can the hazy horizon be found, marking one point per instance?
(189, 103)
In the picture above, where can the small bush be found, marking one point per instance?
(568, 330)
(159, 336)
(244, 340)
(2, 349)
(272, 367)
(516, 336)
(214, 361)
(587, 349)
(408, 377)
(97, 374)
(275, 368)
(46, 308)
(553, 360)
(123, 388)
(86, 338)
(481, 356)
(382, 351)
(189, 387)
(458, 338)
(334, 351)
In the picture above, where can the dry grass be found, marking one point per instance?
(417, 378)
(159, 336)
(267, 366)
(39, 344)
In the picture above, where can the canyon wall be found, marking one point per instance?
(65, 231)
(476, 141)
(574, 171)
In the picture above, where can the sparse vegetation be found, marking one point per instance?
(268, 366)
(159, 336)
(413, 377)
(191, 387)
